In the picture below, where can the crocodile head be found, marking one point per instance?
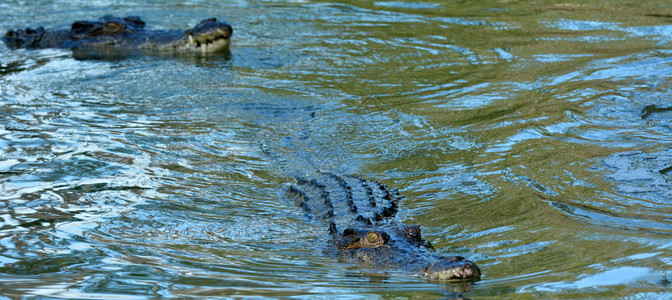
(402, 247)
(208, 36)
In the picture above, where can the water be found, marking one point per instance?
(533, 139)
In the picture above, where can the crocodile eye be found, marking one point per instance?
(372, 237)
(111, 27)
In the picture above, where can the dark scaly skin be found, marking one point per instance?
(360, 214)
(124, 34)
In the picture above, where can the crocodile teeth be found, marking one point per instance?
(191, 40)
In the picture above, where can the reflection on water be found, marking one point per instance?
(531, 138)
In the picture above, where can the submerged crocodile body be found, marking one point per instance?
(360, 214)
(124, 34)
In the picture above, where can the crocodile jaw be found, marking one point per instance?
(453, 268)
(215, 42)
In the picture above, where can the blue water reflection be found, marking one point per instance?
(532, 138)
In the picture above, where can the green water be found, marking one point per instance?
(530, 137)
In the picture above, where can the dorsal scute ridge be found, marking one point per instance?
(341, 199)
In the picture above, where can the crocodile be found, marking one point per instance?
(127, 33)
(360, 215)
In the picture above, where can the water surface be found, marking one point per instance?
(533, 139)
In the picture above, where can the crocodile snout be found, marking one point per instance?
(454, 268)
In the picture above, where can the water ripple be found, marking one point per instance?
(532, 138)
